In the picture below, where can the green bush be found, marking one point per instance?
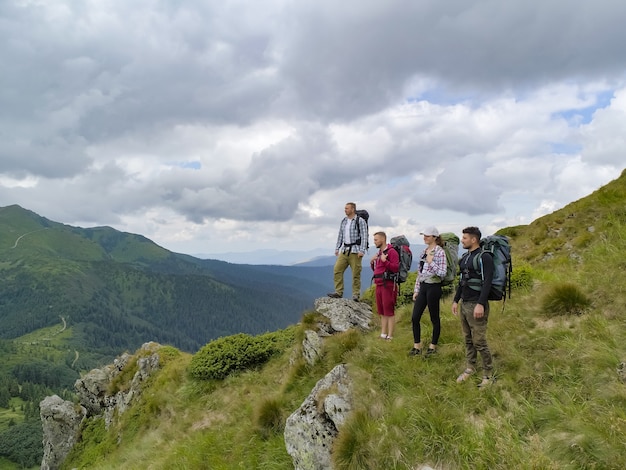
(219, 358)
(564, 299)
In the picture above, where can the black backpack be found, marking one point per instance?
(363, 214)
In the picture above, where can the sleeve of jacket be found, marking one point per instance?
(393, 261)
(486, 260)
(364, 235)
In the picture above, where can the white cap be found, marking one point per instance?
(430, 231)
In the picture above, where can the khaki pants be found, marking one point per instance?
(475, 333)
(343, 261)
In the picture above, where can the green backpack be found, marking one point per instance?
(451, 248)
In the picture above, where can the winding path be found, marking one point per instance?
(28, 233)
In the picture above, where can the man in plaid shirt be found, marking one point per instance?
(349, 250)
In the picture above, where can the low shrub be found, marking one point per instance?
(219, 358)
(270, 418)
(522, 277)
(564, 299)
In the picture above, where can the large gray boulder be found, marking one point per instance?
(345, 314)
(61, 422)
(310, 431)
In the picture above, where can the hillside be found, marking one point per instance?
(73, 298)
(116, 290)
(558, 401)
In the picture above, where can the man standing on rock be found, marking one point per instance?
(384, 264)
(349, 250)
(473, 292)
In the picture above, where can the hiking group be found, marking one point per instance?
(482, 274)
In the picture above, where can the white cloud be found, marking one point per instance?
(227, 126)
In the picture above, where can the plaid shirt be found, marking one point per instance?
(354, 235)
(435, 269)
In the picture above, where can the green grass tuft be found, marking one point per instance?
(565, 299)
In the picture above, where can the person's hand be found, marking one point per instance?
(429, 256)
(336, 252)
(479, 311)
(383, 257)
(361, 254)
(414, 296)
(455, 309)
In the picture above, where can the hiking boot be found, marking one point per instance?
(415, 352)
(334, 295)
(486, 381)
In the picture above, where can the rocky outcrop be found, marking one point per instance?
(98, 396)
(61, 421)
(312, 428)
(311, 347)
(345, 314)
(95, 392)
(342, 315)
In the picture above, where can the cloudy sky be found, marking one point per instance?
(234, 125)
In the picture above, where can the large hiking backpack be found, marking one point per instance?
(401, 245)
(500, 249)
(451, 248)
(363, 214)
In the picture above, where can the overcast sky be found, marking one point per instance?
(215, 126)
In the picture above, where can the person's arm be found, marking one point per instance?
(438, 265)
(364, 235)
(339, 237)
(393, 261)
(485, 263)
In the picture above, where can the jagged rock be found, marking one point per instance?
(61, 422)
(311, 347)
(94, 392)
(345, 314)
(97, 398)
(311, 430)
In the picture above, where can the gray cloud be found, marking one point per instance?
(112, 110)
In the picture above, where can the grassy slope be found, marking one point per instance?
(557, 402)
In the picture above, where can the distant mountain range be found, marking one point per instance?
(117, 290)
(269, 256)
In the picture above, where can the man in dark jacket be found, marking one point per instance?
(473, 292)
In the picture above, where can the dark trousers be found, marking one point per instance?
(429, 296)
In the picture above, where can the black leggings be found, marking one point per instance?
(429, 295)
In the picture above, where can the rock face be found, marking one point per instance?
(311, 347)
(345, 314)
(61, 420)
(312, 428)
